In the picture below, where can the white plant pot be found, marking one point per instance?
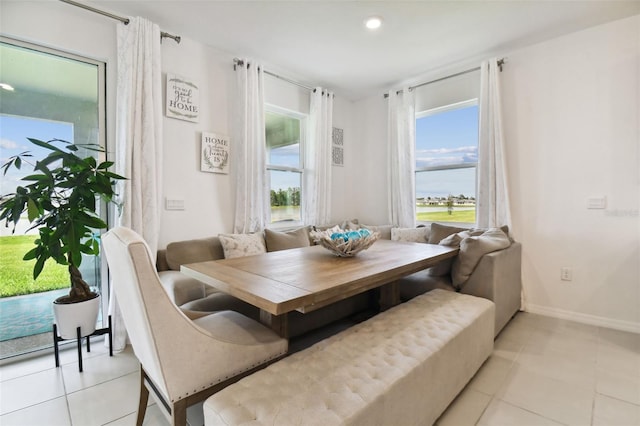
(70, 316)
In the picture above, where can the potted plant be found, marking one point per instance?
(61, 201)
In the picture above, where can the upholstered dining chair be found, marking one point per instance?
(182, 361)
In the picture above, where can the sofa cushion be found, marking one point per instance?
(219, 301)
(383, 230)
(471, 251)
(412, 235)
(286, 240)
(181, 288)
(238, 245)
(440, 232)
(191, 251)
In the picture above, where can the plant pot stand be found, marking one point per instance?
(97, 332)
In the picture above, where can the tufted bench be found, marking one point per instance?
(403, 366)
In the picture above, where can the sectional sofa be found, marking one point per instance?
(488, 266)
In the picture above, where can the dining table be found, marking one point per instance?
(308, 278)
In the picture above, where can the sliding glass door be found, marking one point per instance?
(44, 94)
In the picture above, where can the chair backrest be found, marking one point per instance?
(140, 296)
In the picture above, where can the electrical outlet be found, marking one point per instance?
(566, 274)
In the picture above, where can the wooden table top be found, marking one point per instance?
(308, 278)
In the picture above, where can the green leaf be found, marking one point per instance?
(105, 165)
(37, 268)
(45, 145)
(32, 210)
(34, 177)
(31, 254)
(91, 221)
(114, 176)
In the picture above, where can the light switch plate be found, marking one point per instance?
(597, 202)
(172, 204)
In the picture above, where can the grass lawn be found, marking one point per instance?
(16, 275)
(464, 216)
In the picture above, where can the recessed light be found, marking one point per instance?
(373, 22)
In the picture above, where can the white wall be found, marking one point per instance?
(369, 172)
(571, 120)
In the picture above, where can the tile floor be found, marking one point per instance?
(543, 371)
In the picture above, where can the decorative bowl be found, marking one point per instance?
(345, 243)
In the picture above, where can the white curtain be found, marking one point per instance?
(492, 208)
(138, 139)
(252, 189)
(317, 165)
(402, 164)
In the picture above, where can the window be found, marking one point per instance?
(285, 132)
(45, 94)
(446, 161)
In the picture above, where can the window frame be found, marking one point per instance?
(437, 110)
(303, 119)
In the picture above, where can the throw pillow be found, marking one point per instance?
(238, 245)
(350, 224)
(412, 235)
(383, 230)
(480, 231)
(471, 251)
(440, 232)
(443, 267)
(286, 240)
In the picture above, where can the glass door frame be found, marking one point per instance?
(101, 68)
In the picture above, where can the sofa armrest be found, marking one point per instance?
(497, 277)
(181, 288)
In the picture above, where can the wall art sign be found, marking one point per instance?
(183, 98)
(337, 148)
(214, 153)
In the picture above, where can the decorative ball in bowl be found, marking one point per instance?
(345, 243)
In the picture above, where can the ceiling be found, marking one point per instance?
(325, 42)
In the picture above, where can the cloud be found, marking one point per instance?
(8, 144)
(446, 156)
(460, 149)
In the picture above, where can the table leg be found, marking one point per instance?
(389, 295)
(278, 323)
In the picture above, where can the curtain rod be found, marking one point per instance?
(237, 61)
(500, 64)
(119, 18)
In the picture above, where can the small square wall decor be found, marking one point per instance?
(215, 153)
(183, 98)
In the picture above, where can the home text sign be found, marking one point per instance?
(215, 153)
(183, 98)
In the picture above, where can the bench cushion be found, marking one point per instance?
(403, 366)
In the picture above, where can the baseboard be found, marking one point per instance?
(632, 327)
